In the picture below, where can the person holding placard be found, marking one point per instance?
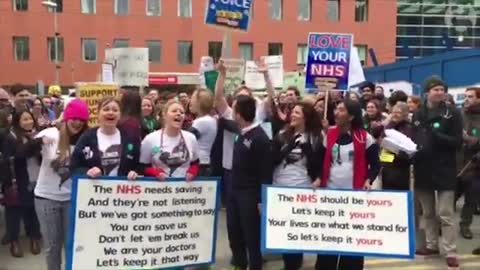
(351, 162)
(53, 189)
(106, 150)
(170, 151)
(298, 157)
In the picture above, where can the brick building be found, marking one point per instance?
(175, 33)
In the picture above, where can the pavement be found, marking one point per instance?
(468, 261)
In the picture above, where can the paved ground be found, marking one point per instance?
(468, 262)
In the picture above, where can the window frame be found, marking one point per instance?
(250, 46)
(179, 52)
(271, 10)
(300, 13)
(147, 44)
(338, 7)
(122, 42)
(365, 46)
(16, 3)
(304, 48)
(149, 13)
(116, 6)
(363, 16)
(25, 40)
(179, 8)
(86, 2)
(51, 49)
(84, 53)
(271, 47)
(215, 57)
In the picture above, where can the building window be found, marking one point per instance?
(58, 8)
(89, 49)
(302, 52)
(51, 48)
(121, 7)
(362, 53)
(21, 48)
(20, 5)
(121, 43)
(153, 7)
(333, 10)
(275, 7)
(184, 8)
(89, 6)
(215, 50)
(185, 52)
(246, 51)
(275, 48)
(304, 10)
(361, 10)
(154, 51)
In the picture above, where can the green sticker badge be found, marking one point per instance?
(436, 125)
(335, 149)
(156, 150)
(474, 131)
(129, 147)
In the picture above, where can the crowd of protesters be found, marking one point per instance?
(331, 140)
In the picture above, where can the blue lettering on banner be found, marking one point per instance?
(328, 60)
(231, 14)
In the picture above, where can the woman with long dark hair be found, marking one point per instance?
(298, 157)
(131, 118)
(150, 122)
(351, 162)
(40, 113)
(22, 150)
(53, 190)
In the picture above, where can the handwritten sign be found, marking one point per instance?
(328, 60)
(235, 73)
(255, 80)
(301, 220)
(92, 93)
(131, 65)
(230, 14)
(142, 224)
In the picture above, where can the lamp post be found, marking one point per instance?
(53, 6)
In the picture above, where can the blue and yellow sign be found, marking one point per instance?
(231, 14)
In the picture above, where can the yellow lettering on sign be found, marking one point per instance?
(92, 94)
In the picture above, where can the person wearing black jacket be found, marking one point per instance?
(23, 153)
(298, 158)
(437, 131)
(251, 167)
(106, 150)
(396, 172)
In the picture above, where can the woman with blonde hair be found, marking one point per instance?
(170, 151)
(204, 127)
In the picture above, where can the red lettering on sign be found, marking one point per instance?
(324, 41)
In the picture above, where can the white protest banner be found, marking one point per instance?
(235, 73)
(142, 224)
(255, 80)
(302, 220)
(130, 65)
(206, 64)
(107, 73)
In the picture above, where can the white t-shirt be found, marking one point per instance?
(51, 175)
(292, 171)
(229, 137)
(341, 171)
(171, 154)
(207, 127)
(110, 147)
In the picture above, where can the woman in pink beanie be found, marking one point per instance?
(52, 192)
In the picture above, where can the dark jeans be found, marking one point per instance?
(471, 188)
(243, 225)
(14, 215)
(335, 262)
(226, 186)
(292, 261)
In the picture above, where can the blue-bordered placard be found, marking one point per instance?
(77, 242)
(229, 14)
(381, 208)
